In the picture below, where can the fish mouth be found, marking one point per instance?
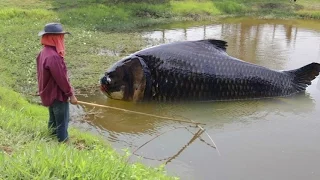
(104, 86)
(104, 89)
(119, 94)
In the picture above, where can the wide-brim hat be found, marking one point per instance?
(53, 28)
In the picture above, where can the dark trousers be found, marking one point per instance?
(59, 119)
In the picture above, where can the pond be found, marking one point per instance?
(256, 139)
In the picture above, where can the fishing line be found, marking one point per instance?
(156, 116)
(162, 117)
(140, 113)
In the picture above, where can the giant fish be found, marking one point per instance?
(199, 71)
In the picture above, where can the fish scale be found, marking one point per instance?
(222, 83)
(202, 70)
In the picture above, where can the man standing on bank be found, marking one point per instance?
(54, 87)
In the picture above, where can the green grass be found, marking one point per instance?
(27, 4)
(270, 9)
(231, 7)
(192, 8)
(114, 18)
(28, 152)
(309, 14)
(311, 9)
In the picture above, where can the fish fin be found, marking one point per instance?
(220, 44)
(304, 75)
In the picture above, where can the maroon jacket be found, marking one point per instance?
(53, 83)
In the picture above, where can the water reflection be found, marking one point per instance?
(253, 135)
(268, 43)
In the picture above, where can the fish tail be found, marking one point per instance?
(304, 75)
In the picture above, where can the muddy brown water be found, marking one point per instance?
(257, 139)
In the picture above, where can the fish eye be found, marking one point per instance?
(108, 79)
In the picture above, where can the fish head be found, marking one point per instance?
(113, 83)
(124, 80)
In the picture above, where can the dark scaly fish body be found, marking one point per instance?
(201, 71)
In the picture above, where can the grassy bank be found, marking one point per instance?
(28, 152)
(107, 15)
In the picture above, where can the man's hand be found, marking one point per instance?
(73, 100)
